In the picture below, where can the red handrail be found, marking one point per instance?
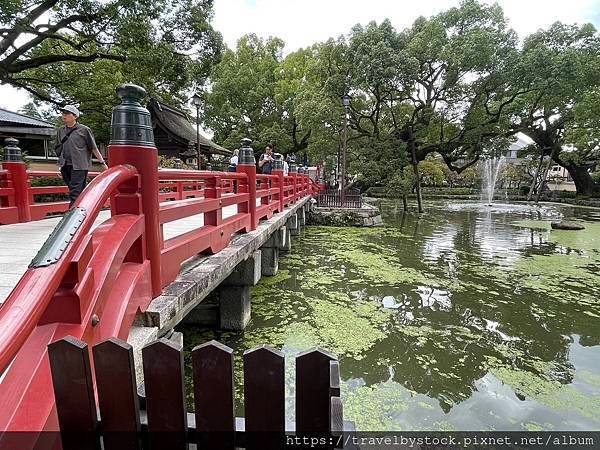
(20, 314)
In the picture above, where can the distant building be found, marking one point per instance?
(175, 136)
(514, 154)
(36, 136)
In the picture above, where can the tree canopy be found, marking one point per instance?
(63, 51)
(458, 84)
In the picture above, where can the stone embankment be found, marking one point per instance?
(367, 216)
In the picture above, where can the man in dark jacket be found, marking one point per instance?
(265, 162)
(75, 145)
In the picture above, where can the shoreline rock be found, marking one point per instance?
(564, 225)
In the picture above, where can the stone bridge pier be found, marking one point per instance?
(214, 290)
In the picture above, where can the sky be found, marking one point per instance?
(301, 23)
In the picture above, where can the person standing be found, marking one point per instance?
(265, 163)
(286, 167)
(233, 162)
(75, 145)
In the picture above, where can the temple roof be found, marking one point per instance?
(16, 124)
(176, 123)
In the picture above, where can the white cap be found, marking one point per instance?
(72, 109)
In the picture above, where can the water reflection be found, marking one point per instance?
(463, 318)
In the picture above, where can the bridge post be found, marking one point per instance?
(285, 239)
(293, 173)
(293, 226)
(301, 216)
(13, 162)
(213, 190)
(132, 142)
(278, 172)
(247, 165)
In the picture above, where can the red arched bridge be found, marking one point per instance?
(92, 276)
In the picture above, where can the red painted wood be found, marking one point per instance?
(113, 274)
(20, 181)
(145, 160)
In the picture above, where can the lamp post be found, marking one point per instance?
(346, 103)
(197, 101)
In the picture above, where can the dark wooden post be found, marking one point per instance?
(74, 393)
(214, 395)
(264, 397)
(165, 394)
(336, 411)
(117, 394)
(313, 392)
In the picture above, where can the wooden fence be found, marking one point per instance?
(333, 198)
(159, 418)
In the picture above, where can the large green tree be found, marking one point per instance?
(257, 93)
(53, 32)
(242, 101)
(560, 70)
(64, 51)
(430, 88)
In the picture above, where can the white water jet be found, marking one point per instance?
(491, 169)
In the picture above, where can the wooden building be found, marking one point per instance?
(36, 137)
(175, 136)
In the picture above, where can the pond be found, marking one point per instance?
(467, 317)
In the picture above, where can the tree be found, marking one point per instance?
(242, 99)
(401, 184)
(45, 43)
(431, 87)
(431, 170)
(560, 69)
(514, 175)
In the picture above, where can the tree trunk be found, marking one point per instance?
(535, 178)
(404, 202)
(415, 165)
(582, 178)
(543, 181)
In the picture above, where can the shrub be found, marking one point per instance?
(567, 194)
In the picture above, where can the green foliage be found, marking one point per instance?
(242, 100)
(432, 171)
(456, 85)
(557, 72)
(401, 183)
(167, 46)
(166, 162)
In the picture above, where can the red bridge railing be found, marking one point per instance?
(90, 285)
(20, 199)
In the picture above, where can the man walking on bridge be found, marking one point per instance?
(75, 145)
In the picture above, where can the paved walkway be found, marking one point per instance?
(20, 242)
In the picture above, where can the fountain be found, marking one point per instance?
(491, 169)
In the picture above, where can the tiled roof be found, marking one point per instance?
(16, 118)
(177, 123)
